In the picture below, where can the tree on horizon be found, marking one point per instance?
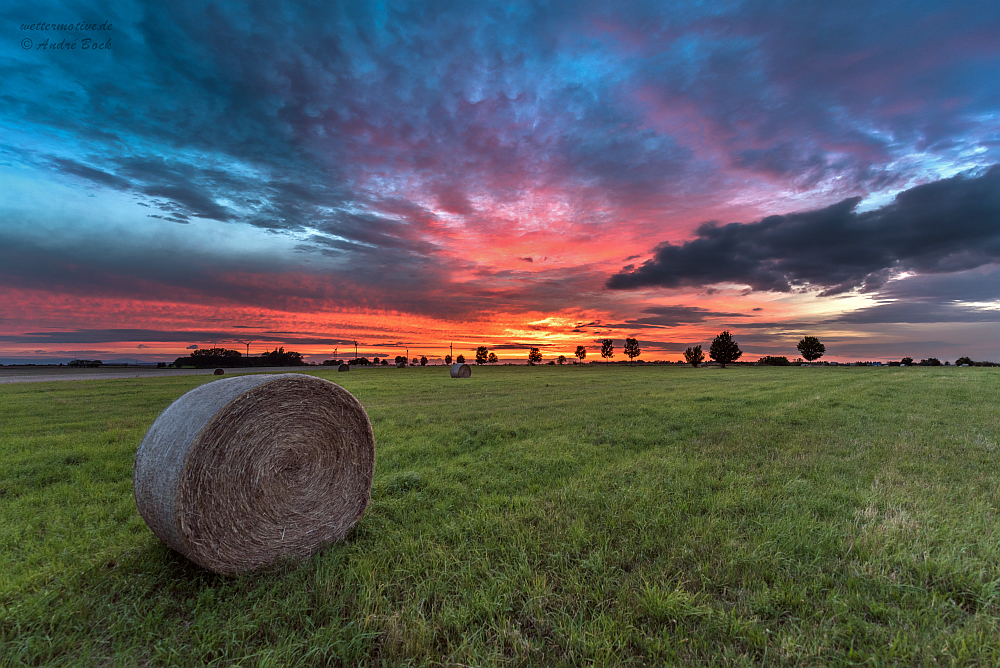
(581, 353)
(810, 348)
(724, 350)
(482, 354)
(607, 348)
(535, 356)
(632, 349)
(694, 356)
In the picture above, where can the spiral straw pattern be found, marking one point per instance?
(241, 472)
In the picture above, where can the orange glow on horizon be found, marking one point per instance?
(163, 331)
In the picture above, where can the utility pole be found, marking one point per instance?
(355, 350)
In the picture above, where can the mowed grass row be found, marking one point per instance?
(543, 516)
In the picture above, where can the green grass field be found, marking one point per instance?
(543, 516)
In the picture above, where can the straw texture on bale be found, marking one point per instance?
(219, 372)
(344, 367)
(461, 371)
(241, 472)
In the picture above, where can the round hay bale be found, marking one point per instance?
(241, 472)
(344, 367)
(219, 372)
(461, 371)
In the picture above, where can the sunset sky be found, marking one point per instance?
(410, 174)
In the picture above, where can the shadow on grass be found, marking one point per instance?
(151, 600)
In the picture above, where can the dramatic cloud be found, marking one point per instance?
(484, 168)
(946, 226)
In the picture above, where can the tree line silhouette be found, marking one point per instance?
(218, 357)
(723, 350)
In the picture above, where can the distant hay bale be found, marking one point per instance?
(344, 367)
(461, 371)
(219, 372)
(241, 472)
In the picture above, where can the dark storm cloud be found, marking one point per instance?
(945, 226)
(170, 218)
(190, 200)
(94, 175)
